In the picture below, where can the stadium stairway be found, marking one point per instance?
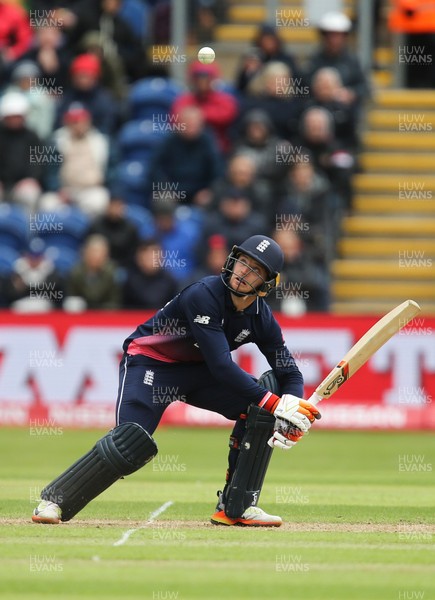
(244, 17)
(386, 252)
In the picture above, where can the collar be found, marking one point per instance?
(252, 309)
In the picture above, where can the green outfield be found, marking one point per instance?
(359, 511)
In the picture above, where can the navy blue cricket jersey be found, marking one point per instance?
(201, 324)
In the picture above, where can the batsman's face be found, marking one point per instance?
(247, 274)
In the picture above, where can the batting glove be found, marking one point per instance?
(284, 436)
(294, 417)
(296, 412)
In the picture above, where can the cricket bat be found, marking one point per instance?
(365, 347)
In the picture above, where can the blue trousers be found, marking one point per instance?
(147, 387)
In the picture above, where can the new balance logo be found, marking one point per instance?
(242, 335)
(148, 377)
(202, 319)
(263, 245)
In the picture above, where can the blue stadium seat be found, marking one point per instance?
(65, 227)
(226, 86)
(153, 97)
(15, 227)
(143, 220)
(132, 177)
(137, 14)
(63, 257)
(138, 139)
(8, 256)
(190, 213)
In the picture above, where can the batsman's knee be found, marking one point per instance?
(269, 381)
(126, 448)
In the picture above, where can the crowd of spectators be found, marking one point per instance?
(119, 186)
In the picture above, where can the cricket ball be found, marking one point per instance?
(206, 55)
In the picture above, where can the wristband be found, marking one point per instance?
(269, 402)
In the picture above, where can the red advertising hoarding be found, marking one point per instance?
(61, 369)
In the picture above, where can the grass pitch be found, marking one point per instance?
(358, 509)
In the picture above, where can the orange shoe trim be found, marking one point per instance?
(220, 518)
(256, 523)
(47, 521)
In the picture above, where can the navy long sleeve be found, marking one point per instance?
(201, 325)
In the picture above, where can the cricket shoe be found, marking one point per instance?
(253, 516)
(47, 512)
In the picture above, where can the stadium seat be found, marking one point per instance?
(14, 227)
(132, 177)
(8, 256)
(143, 220)
(190, 213)
(226, 86)
(138, 139)
(65, 227)
(152, 98)
(137, 15)
(64, 258)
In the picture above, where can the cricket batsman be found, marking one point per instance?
(186, 346)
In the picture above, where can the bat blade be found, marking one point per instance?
(365, 347)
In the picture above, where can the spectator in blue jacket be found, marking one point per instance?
(187, 162)
(178, 231)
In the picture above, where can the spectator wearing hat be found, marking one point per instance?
(79, 174)
(117, 37)
(34, 284)
(85, 73)
(26, 79)
(186, 163)
(267, 47)
(113, 72)
(148, 285)
(219, 108)
(335, 28)
(21, 164)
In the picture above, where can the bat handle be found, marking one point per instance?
(315, 398)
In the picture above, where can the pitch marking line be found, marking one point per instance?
(153, 516)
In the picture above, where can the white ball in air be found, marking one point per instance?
(206, 55)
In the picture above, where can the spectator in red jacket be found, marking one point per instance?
(219, 108)
(15, 33)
